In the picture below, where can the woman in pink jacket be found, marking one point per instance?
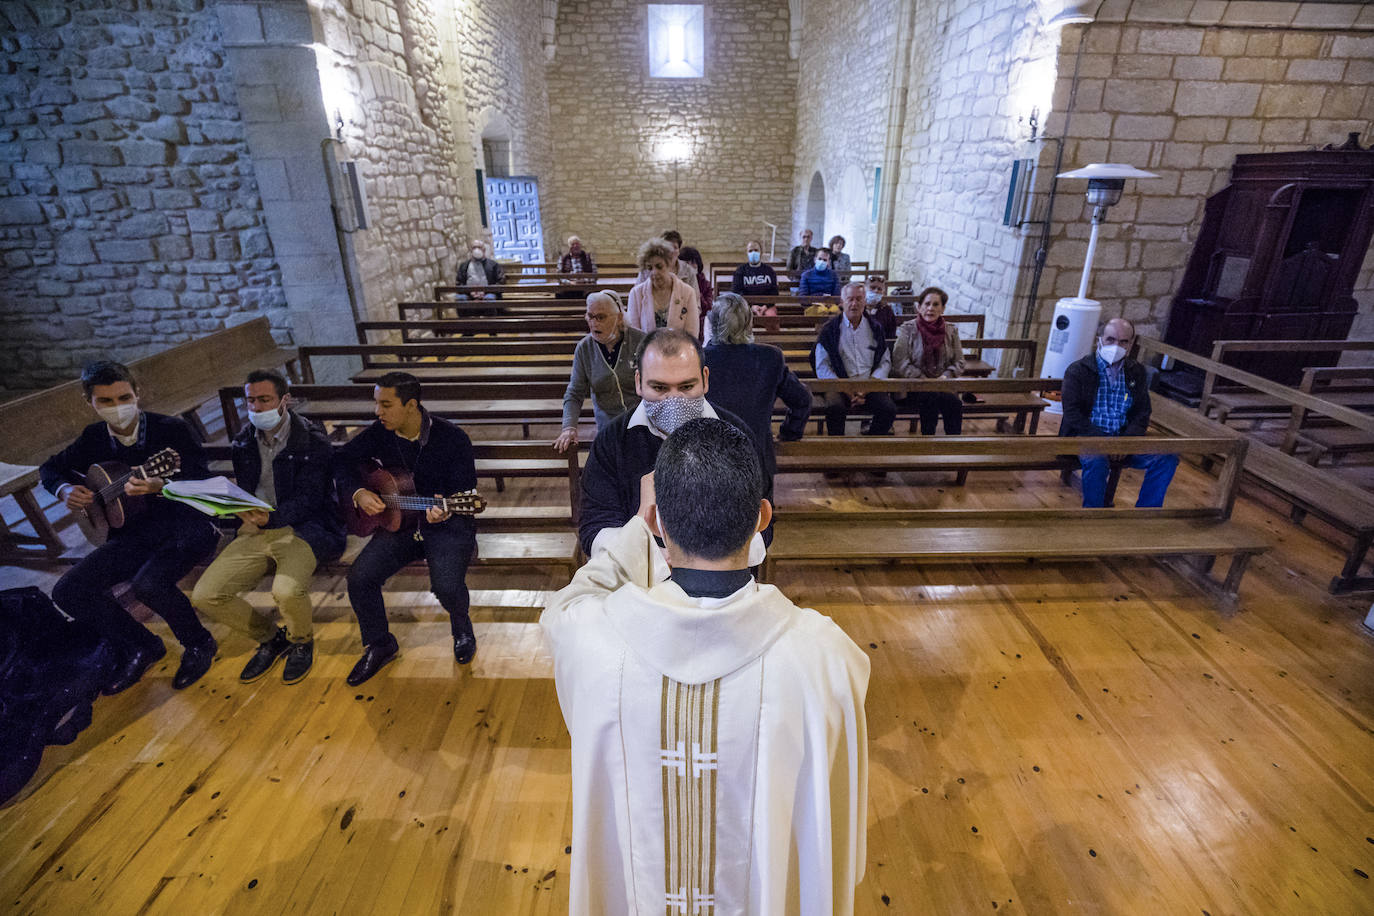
(662, 300)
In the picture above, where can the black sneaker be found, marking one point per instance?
(299, 658)
(266, 656)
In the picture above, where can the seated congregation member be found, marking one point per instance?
(287, 462)
(852, 345)
(801, 258)
(672, 383)
(604, 365)
(438, 455)
(750, 377)
(698, 686)
(662, 300)
(577, 260)
(839, 261)
(154, 549)
(705, 294)
(1106, 393)
(928, 347)
(874, 290)
(478, 272)
(820, 279)
(755, 278)
(676, 265)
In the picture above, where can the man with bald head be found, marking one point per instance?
(577, 260)
(1106, 393)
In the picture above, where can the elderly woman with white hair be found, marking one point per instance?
(603, 365)
(747, 378)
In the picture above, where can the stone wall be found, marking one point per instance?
(612, 183)
(842, 109)
(505, 88)
(1182, 95)
(129, 211)
(383, 76)
(981, 71)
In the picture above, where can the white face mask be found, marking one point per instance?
(755, 257)
(121, 416)
(266, 419)
(479, 254)
(873, 297)
(1111, 354)
(670, 413)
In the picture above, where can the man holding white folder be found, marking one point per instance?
(284, 460)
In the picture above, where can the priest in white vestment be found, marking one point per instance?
(719, 747)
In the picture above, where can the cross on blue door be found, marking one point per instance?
(513, 212)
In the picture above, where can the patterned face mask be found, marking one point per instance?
(670, 413)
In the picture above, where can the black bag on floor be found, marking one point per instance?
(51, 671)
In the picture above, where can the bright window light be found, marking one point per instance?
(676, 40)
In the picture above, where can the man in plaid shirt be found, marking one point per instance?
(1106, 393)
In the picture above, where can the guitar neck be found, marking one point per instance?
(454, 504)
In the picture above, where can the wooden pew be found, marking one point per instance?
(1054, 534)
(509, 537)
(467, 403)
(1235, 402)
(1307, 489)
(1338, 441)
(175, 381)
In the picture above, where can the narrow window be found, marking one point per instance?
(676, 40)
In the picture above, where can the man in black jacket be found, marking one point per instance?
(852, 345)
(153, 550)
(438, 456)
(671, 383)
(1106, 393)
(284, 460)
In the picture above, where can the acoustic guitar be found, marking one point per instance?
(113, 508)
(404, 508)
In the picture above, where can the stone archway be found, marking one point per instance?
(815, 209)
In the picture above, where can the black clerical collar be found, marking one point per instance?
(711, 583)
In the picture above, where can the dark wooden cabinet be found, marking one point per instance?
(1278, 256)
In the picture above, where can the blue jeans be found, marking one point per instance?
(1159, 470)
(448, 547)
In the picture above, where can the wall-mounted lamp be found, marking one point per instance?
(338, 124)
(1073, 14)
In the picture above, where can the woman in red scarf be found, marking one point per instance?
(928, 347)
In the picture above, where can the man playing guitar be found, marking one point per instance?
(438, 455)
(153, 549)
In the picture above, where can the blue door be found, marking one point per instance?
(513, 212)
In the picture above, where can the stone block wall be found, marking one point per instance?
(384, 77)
(1182, 95)
(609, 122)
(130, 217)
(981, 70)
(842, 112)
(505, 74)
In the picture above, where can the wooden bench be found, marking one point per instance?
(19, 481)
(1051, 534)
(466, 403)
(1307, 489)
(506, 536)
(1351, 387)
(1015, 399)
(1237, 402)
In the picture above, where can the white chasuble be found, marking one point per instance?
(719, 754)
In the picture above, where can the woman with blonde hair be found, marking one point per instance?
(662, 300)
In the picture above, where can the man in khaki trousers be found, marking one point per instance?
(285, 461)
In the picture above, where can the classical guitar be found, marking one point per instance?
(112, 507)
(404, 508)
